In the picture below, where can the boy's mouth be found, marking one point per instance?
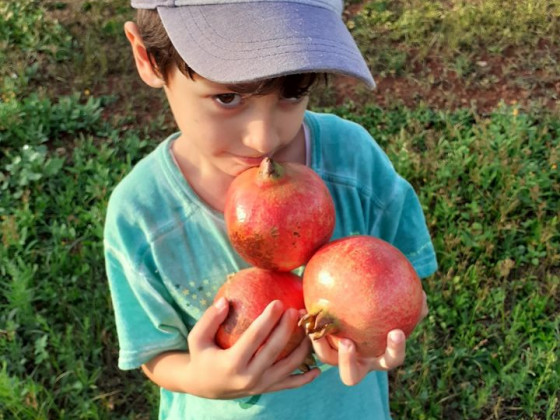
(251, 160)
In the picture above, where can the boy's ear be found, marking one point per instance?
(143, 63)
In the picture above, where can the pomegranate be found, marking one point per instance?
(360, 287)
(278, 215)
(248, 292)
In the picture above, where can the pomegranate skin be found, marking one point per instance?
(360, 288)
(278, 215)
(248, 292)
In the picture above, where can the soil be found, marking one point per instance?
(449, 91)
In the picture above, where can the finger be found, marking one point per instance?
(295, 380)
(255, 336)
(203, 333)
(349, 369)
(276, 342)
(295, 360)
(425, 309)
(395, 352)
(325, 351)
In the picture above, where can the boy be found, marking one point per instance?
(237, 75)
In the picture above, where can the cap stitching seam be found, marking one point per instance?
(345, 52)
(208, 25)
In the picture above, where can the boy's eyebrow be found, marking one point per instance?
(254, 88)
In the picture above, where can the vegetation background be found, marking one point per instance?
(467, 109)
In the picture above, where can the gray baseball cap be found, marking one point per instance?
(236, 41)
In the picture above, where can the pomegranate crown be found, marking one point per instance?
(269, 169)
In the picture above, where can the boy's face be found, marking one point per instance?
(224, 133)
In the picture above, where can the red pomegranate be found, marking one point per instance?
(360, 287)
(248, 292)
(278, 215)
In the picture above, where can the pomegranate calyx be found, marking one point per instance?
(317, 325)
(270, 170)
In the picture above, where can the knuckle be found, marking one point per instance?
(246, 382)
(230, 371)
(396, 362)
(190, 340)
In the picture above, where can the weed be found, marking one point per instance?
(488, 182)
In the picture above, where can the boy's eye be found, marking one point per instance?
(293, 99)
(228, 100)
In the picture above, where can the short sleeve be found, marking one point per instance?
(147, 322)
(147, 319)
(401, 222)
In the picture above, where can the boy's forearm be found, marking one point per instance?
(169, 370)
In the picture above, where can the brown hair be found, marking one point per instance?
(163, 56)
(161, 51)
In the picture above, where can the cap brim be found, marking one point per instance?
(243, 42)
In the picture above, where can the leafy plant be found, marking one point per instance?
(488, 181)
(35, 120)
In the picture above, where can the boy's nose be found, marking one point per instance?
(261, 136)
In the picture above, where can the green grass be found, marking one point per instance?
(454, 30)
(488, 181)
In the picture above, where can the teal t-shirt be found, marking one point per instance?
(167, 253)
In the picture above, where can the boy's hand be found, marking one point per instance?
(248, 367)
(353, 367)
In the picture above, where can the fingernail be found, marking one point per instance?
(276, 303)
(396, 337)
(291, 312)
(345, 345)
(220, 303)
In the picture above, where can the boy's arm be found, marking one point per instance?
(247, 368)
(168, 370)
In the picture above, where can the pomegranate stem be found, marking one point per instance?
(267, 167)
